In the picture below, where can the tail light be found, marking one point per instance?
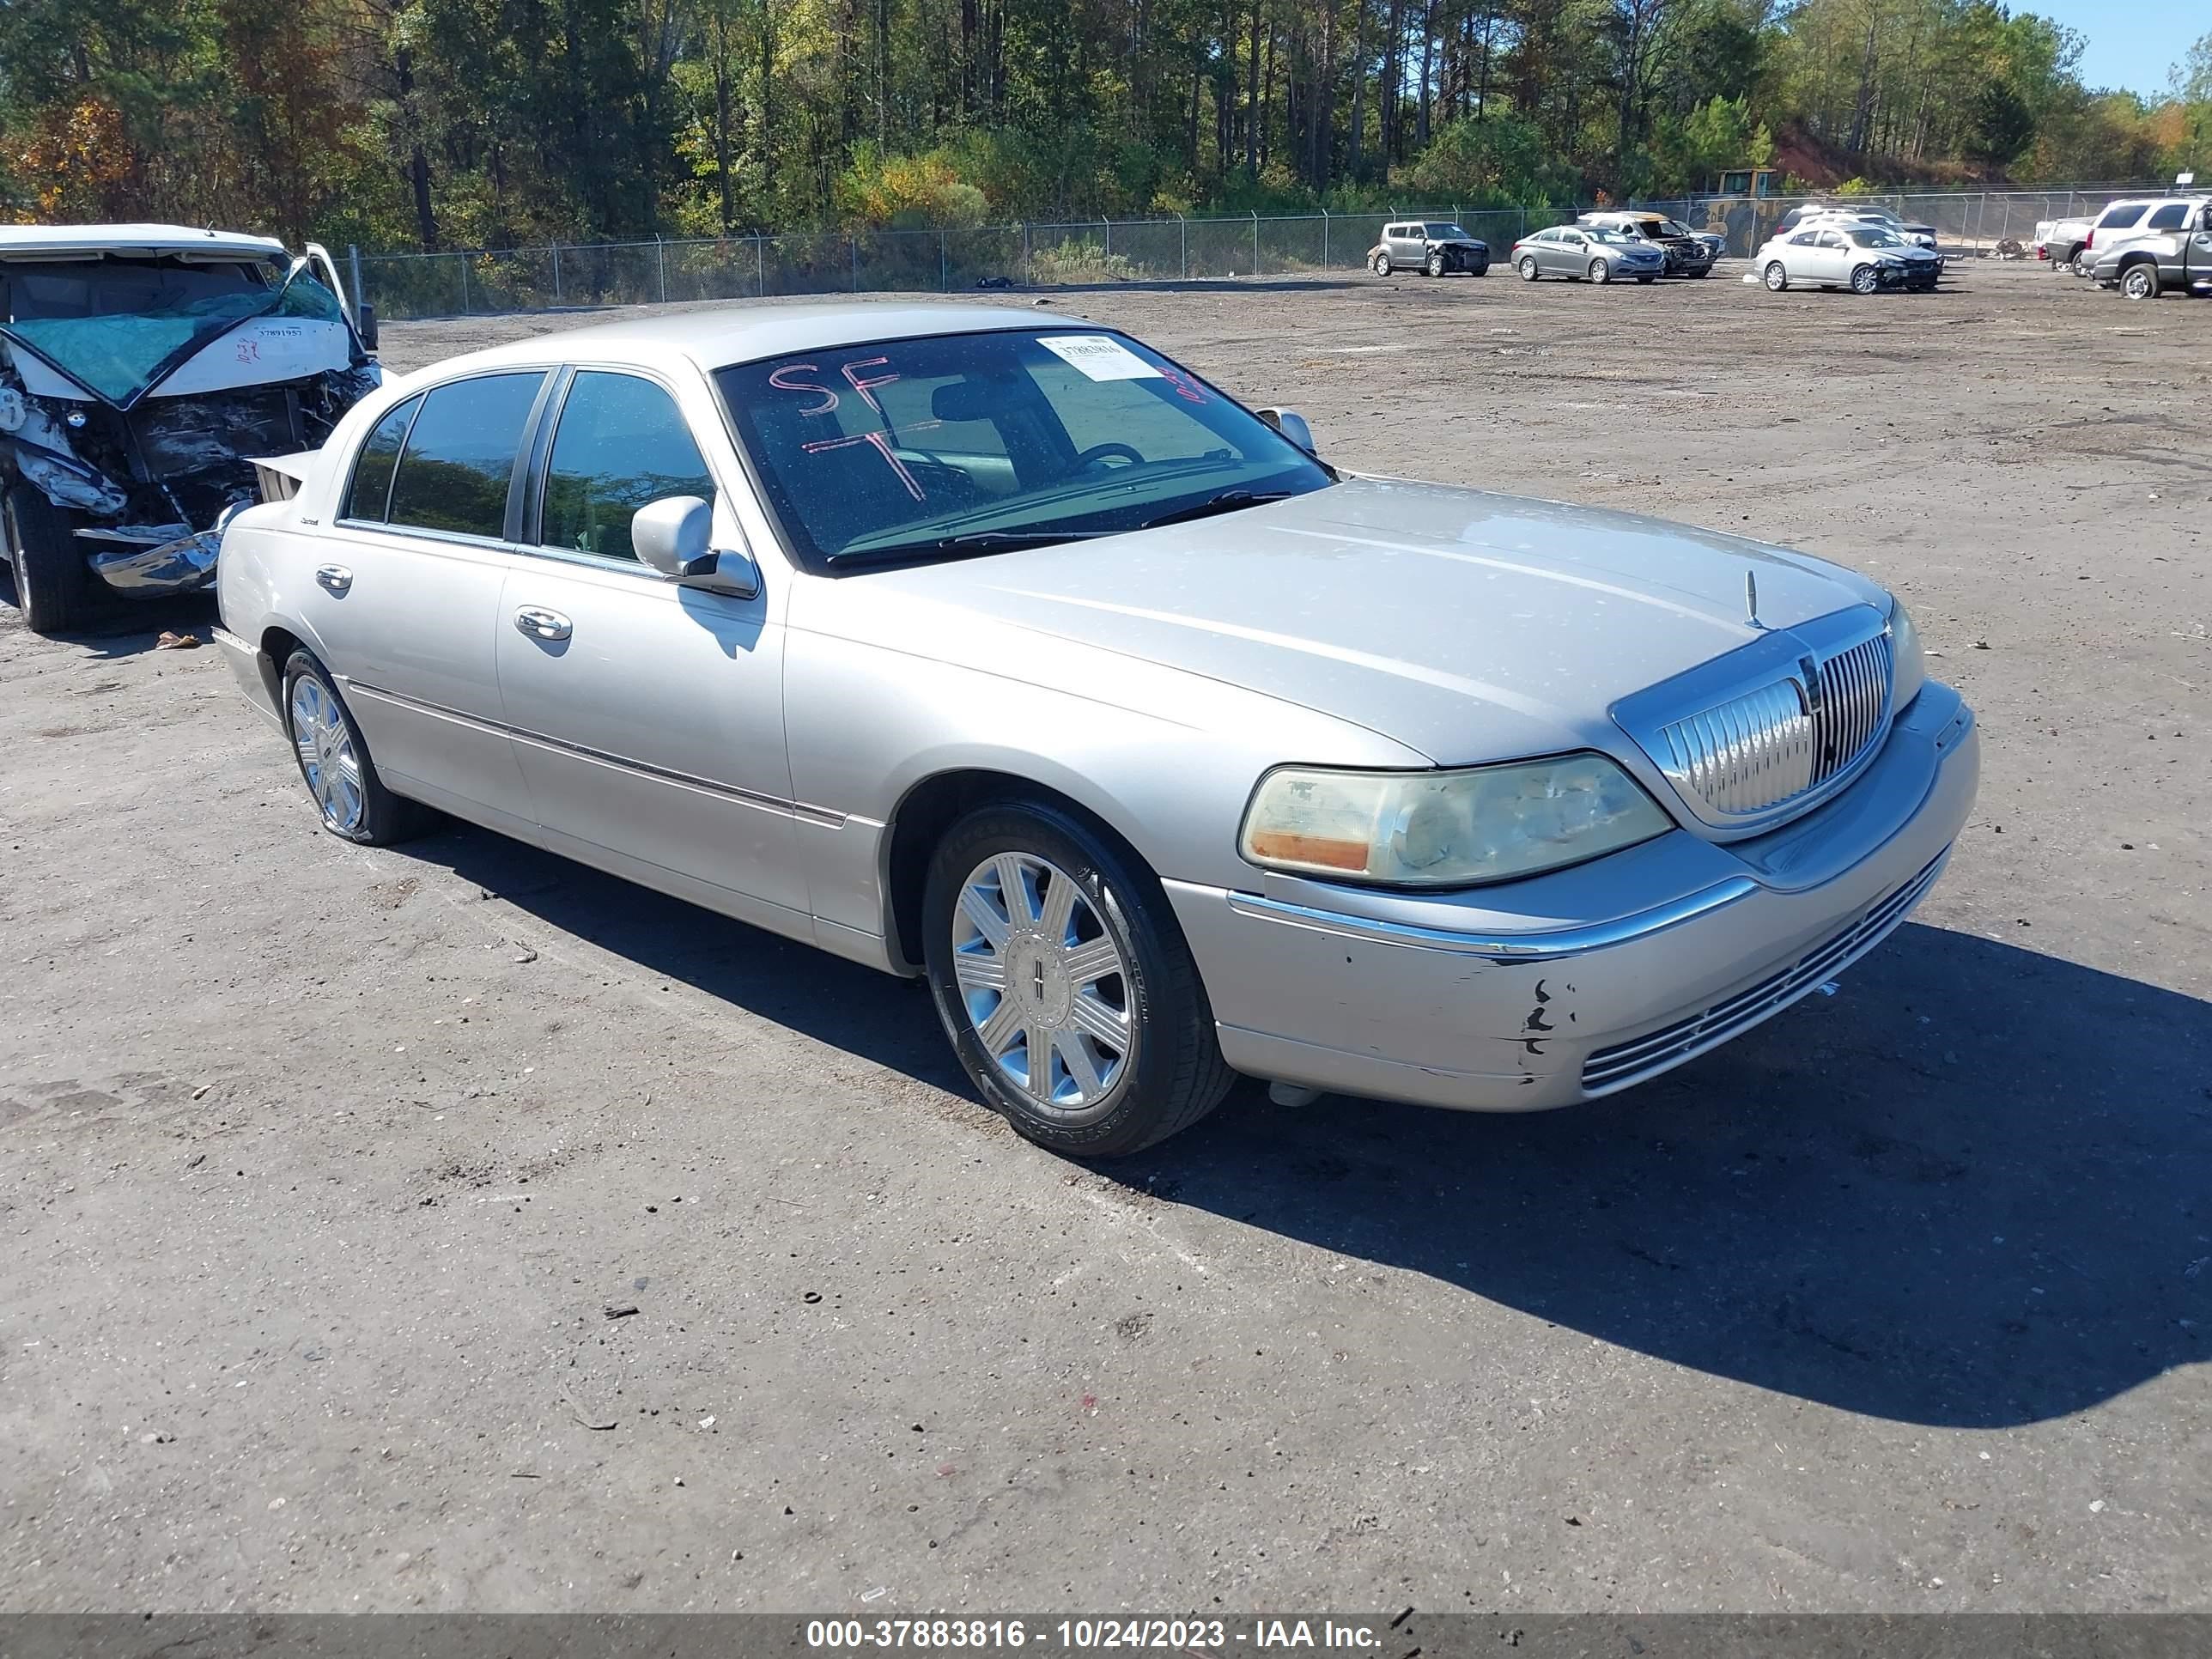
(2088, 239)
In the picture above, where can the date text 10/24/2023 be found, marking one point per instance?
(1092, 1635)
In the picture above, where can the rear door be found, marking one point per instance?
(648, 714)
(404, 604)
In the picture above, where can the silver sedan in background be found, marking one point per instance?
(1587, 253)
(1846, 253)
(998, 648)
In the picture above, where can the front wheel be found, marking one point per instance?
(53, 586)
(1777, 277)
(1065, 984)
(1482, 270)
(1703, 270)
(2140, 282)
(1380, 264)
(1436, 264)
(1600, 271)
(1528, 268)
(335, 763)
(1646, 281)
(1865, 279)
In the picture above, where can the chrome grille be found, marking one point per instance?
(1627, 1063)
(1854, 692)
(1758, 751)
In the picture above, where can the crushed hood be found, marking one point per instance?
(1463, 624)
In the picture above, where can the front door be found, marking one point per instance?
(404, 604)
(648, 715)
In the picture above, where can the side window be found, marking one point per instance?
(371, 490)
(621, 443)
(460, 455)
(2119, 218)
(1831, 239)
(2169, 218)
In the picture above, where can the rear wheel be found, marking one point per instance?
(2082, 265)
(1528, 268)
(1381, 261)
(1865, 279)
(1600, 271)
(2140, 282)
(335, 763)
(1778, 279)
(53, 586)
(1065, 986)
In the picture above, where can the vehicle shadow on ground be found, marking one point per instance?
(125, 629)
(1974, 1189)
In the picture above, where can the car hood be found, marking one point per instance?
(1463, 624)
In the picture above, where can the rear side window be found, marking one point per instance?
(371, 490)
(460, 457)
(2118, 218)
(2172, 216)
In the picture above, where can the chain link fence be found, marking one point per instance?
(1088, 252)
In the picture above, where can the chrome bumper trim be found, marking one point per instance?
(1545, 946)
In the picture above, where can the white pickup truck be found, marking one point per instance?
(142, 368)
(2061, 241)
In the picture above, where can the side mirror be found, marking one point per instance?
(1292, 425)
(676, 537)
(365, 325)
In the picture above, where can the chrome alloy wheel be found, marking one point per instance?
(1043, 983)
(327, 759)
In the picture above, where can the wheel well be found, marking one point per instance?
(933, 806)
(277, 648)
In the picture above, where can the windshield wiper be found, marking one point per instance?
(1228, 501)
(977, 541)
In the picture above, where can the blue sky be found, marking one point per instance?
(2130, 45)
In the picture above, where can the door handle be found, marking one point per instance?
(335, 577)
(542, 624)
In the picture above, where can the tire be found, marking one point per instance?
(1435, 267)
(1167, 1071)
(1381, 263)
(1645, 282)
(1777, 278)
(1703, 270)
(357, 807)
(53, 588)
(2082, 265)
(1600, 272)
(1865, 279)
(1528, 268)
(1482, 270)
(2140, 280)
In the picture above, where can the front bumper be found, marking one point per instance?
(1558, 989)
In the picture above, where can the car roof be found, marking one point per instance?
(715, 336)
(43, 242)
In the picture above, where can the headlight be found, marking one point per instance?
(1446, 829)
(1909, 669)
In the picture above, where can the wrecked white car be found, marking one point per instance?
(142, 368)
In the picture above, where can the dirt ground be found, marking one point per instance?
(323, 1167)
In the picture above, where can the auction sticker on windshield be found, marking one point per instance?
(1099, 357)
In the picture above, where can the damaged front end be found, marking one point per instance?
(141, 429)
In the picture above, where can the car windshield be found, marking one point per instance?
(1446, 232)
(1672, 227)
(1607, 233)
(952, 445)
(116, 326)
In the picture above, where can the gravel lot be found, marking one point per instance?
(320, 1168)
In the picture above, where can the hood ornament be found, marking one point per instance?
(1751, 600)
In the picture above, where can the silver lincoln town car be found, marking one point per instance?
(998, 648)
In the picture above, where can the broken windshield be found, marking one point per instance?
(119, 327)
